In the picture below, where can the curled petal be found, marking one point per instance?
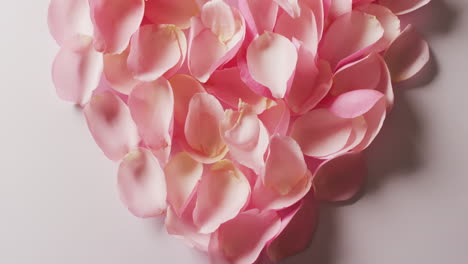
(67, 18)
(271, 60)
(242, 239)
(111, 125)
(321, 133)
(276, 118)
(349, 36)
(403, 7)
(114, 23)
(389, 22)
(156, 50)
(260, 15)
(285, 165)
(290, 6)
(312, 82)
(182, 175)
(141, 184)
(117, 73)
(223, 192)
(303, 28)
(297, 234)
(151, 105)
(173, 12)
(377, 77)
(77, 69)
(407, 55)
(228, 87)
(204, 116)
(184, 87)
(246, 137)
(339, 179)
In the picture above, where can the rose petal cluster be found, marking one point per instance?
(234, 118)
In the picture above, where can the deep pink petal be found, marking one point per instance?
(67, 18)
(407, 55)
(142, 184)
(114, 23)
(223, 192)
(354, 103)
(77, 69)
(111, 125)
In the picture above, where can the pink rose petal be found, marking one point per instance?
(111, 125)
(407, 55)
(290, 6)
(114, 23)
(142, 184)
(223, 192)
(260, 15)
(276, 118)
(402, 7)
(184, 87)
(173, 12)
(354, 103)
(77, 69)
(117, 73)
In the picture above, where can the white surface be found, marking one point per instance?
(58, 201)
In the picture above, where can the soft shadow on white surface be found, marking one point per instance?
(58, 199)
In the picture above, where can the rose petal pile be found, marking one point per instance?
(234, 118)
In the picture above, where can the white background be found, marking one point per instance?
(58, 200)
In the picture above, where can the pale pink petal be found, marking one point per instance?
(111, 125)
(151, 105)
(354, 103)
(223, 192)
(265, 198)
(184, 87)
(241, 240)
(215, 38)
(348, 36)
(298, 233)
(402, 7)
(182, 227)
(339, 7)
(290, 6)
(311, 84)
(285, 165)
(407, 55)
(321, 133)
(228, 87)
(318, 8)
(377, 77)
(114, 23)
(389, 22)
(303, 28)
(182, 175)
(77, 69)
(276, 118)
(339, 179)
(271, 60)
(117, 73)
(141, 184)
(67, 18)
(204, 116)
(260, 15)
(374, 120)
(173, 12)
(155, 50)
(246, 137)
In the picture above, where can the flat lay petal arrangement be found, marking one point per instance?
(234, 119)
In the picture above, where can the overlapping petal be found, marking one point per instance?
(173, 12)
(117, 72)
(402, 7)
(142, 184)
